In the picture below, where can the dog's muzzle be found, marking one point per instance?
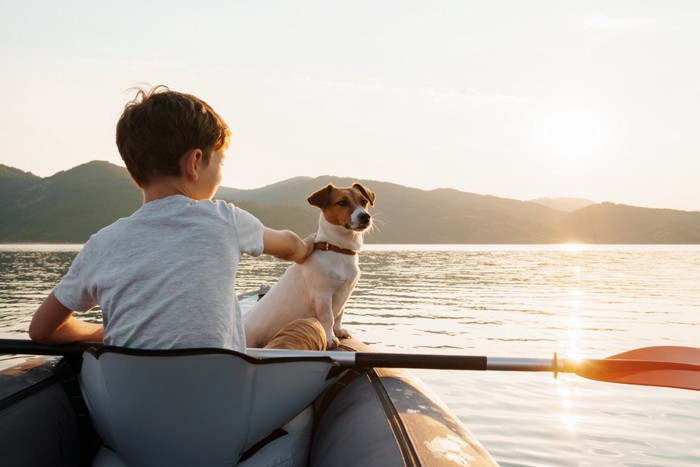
(364, 220)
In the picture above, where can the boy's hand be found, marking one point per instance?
(287, 245)
(308, 248)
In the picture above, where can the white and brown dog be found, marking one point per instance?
(320, 287)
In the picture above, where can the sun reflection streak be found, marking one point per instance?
(568, 419)
(573, 327)
(573, 335)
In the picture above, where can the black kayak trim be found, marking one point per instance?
(403, 440)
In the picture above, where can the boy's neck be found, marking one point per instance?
(164, 187)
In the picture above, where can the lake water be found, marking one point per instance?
(504, 301)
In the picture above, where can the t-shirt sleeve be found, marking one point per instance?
(250, 232)
(73, 289)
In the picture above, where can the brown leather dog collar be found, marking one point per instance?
(325, 246)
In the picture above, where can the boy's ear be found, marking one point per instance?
(189, 163)
(322, 197)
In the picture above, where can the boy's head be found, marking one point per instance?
(159, 126)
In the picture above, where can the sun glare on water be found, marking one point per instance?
(571, 133)
(573, 247)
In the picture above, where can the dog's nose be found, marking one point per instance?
(364, 217)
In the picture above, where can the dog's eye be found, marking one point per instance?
(363, 202)
(342, 203)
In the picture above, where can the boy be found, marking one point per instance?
(164, 276)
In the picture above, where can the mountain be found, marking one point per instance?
(564, 204)
(619, 223)
(410, 215)
(10, 173)
(13, 182)
(68, 206)
(71, 205)
(290, 189)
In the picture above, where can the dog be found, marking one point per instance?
(319, 287)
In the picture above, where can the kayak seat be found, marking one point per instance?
(191, 407)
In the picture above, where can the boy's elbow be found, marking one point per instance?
(49, 320)
(36, 333)
(40, 332)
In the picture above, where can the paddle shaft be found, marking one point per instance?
(420, 361)
(346, 359)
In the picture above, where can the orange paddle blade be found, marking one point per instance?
(667, 366)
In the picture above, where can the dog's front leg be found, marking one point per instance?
(323, 307)
(338, 330)
(340, 299)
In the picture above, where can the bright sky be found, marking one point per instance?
(521, 99)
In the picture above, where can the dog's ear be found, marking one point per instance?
(367, 192)
(322, 197)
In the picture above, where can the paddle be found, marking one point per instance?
(666, 366)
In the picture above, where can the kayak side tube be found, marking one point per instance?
(38, 420)
(389, 418)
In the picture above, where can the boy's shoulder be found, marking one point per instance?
(175, 209)
(175, 222)
(178, 206)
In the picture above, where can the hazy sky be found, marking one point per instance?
(520, 99)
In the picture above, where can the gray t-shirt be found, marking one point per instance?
(164, 276)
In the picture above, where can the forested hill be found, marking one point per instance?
(71, 205)
(67, 207)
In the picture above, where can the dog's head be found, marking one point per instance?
(345, 206)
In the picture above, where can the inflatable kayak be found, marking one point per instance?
(363, 417)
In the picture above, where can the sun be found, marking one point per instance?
(571, 133)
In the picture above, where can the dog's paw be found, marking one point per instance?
(333, 343)
(342, 333)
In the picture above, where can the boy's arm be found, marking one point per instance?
(287, 245)
(53, 323)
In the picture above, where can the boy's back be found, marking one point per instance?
(163, 276)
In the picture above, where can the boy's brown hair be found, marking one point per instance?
(159, 126)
